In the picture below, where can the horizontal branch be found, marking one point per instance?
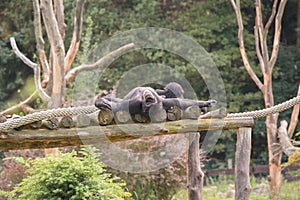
(84, 67)
(44, 138)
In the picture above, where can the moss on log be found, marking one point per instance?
(45, 138)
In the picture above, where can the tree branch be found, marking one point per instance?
(40, 46)
(34, 66)
(258, 52)
(277, 32)
(84, 67)
(271, 18)
(75, 42)
(60, 17)
(285, 142)
(22, 104)
(252, 74)
(294, 117)
(261, 31)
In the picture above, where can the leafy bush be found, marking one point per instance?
(69, 176)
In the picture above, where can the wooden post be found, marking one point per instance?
(195, 175)
(242, 164)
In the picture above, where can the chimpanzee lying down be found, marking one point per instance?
(143, 101)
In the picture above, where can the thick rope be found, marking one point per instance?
(268, 111)
(59, 112)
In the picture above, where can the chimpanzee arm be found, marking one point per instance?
(185, 103)
(134, 106)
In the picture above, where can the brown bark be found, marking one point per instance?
(57, 52)
(40, 43)
(195, 174)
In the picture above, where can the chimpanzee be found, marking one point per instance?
(140, 99)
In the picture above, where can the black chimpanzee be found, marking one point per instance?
(140, 99)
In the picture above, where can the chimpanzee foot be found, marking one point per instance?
(103, 103)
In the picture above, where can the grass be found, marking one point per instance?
(219, 189)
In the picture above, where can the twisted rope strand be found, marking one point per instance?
(268, 111)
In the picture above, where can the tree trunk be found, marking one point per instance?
(271, 125)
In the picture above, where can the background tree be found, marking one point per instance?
(267, 62)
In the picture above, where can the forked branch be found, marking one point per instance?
(237, 9)
(75, 42)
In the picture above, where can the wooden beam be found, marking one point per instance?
(242, 164)
(44, 138)
(195, 174)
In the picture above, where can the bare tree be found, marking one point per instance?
(55, 66)
(267, 59)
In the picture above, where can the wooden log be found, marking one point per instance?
(66, 122)
(122, 117)
(192, 112)
(82, 120)
(219, 113)
(50, 124)
(174, 114)
(195, 174)
(157, 114)
(140, 118)
(105, 117)
(242, 164)
(42, 138)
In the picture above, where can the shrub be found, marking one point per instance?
(69, 176)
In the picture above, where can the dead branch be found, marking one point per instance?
(259, 25)
(259, 56)
(40, 45)
(21, 105)
(270, 20)
(75, 42)
(84, 67)
(236, 7)
(294, 117)
(34, 66)
(277, 33)
(285, 142)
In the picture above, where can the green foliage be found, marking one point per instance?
(69, 176)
